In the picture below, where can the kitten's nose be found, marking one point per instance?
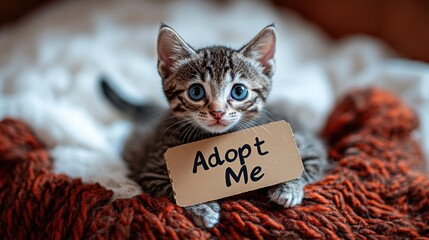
(217, 114)
(217, 109)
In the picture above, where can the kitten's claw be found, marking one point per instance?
(287, 194)
(205, 215)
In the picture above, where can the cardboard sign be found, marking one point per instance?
(233, 163)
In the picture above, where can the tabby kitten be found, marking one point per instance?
(212, 91)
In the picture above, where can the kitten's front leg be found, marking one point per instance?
(313, 155)
(155, 180)
(153, 176)
(205, 214)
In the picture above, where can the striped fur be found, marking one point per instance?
(217, 69)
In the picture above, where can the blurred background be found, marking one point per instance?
(401, 23)
(52, 53)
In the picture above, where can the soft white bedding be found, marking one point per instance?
(50, 63)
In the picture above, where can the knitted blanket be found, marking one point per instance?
(373, 190)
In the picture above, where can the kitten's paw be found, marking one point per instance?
(287, 194)
(205, 214)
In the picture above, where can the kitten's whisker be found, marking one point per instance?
(185, 127)
(189, 125)
(188, 132)
(180, 122)
(191, 132)
(267, 118)
(181, 127)
(247, 125)
(243, 122)
(268, 113)
(235, 127)
(173, 124)
(200, 132)
(251, 124)
(242, 128)
(197, 134)
(194, 128)
(253, 121)
(162, 135)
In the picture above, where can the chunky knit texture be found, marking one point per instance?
(373, 190)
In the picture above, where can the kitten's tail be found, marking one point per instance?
(136, 111)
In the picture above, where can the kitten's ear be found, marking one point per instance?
(262, 49)
(171, 49)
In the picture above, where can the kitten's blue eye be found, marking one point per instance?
(196, 92)
(239, 92)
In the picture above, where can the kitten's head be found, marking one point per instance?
(216, 87)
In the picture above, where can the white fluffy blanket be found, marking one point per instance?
(50, 63)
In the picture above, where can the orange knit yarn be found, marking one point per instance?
(374, 190)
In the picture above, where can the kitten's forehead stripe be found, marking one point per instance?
(216, 62)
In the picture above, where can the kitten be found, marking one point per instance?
(212, 91)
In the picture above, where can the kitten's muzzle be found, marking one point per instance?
(217, 114)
